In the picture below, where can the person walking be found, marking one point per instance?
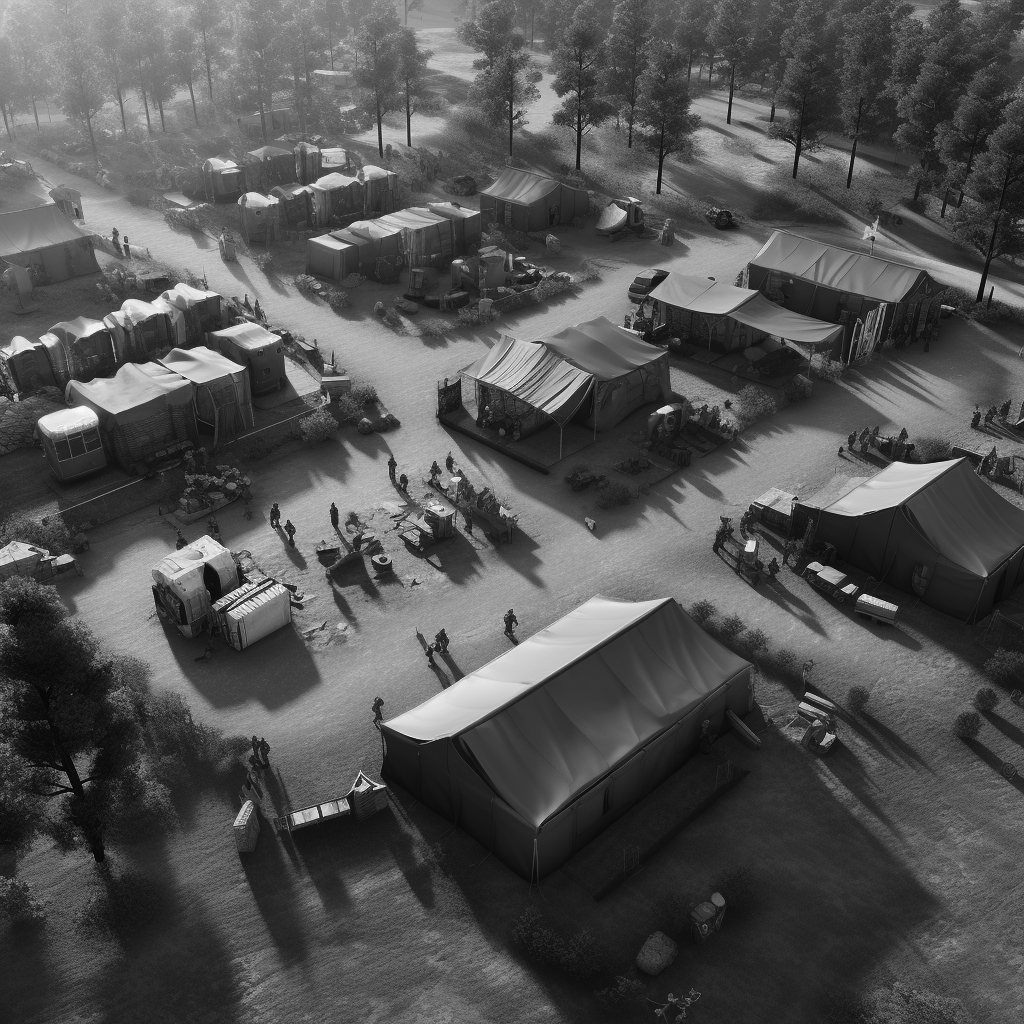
(403, 483)
(392, 466)
(275, 517)
(430, 656)
(289, 528)
(441, 642)
(127, 250)
(334, 515)
(378, 712)
(182, 543)
(449, 464)
(510, 624)
(263, 752)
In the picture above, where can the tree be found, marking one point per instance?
(771, 19)
(507, 88)
(27, 32)
(807, 90)
(8, 82)
(411, 5)
(412, 75)
(577, 65)
(185, 58)
(628, 44)
(207, 19)
(691, 30)
(159, 66)
(867, 51)
(78, 81)
(135, 49)
(729, 34)
(108, 28)
(992, 221)
(377, 62)
(259, 35)
(663, 113)
(491, 31)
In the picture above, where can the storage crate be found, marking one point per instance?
(247, 828)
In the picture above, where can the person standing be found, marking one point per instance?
(441, 642)
(182, 543)
(289, 528)
(403, 483)
(378, 712)
(430, 656)
(510, 624)
(115, 239)
(334, 515)
(275, 517)
(449, 464)
(127, 250)
(392, 466)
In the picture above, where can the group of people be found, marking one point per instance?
(120, 244)
(1002, 412)
(253, 307)
(439, 646)
(275, 524)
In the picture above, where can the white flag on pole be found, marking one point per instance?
(870, 230)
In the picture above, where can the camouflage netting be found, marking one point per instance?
(18, 419)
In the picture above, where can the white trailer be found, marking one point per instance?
(252, 612)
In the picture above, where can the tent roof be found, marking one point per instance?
(763, 315)
(336, 180)
(185, 294)
(451, 211)
(215, 163)
(140, 310)
(562, 709)
(63, 193)
(330, 242)
(67, 421)
(414, 217)
(130, 388)
(38, 228)
(291, 189)
(700, 294)
(370, 229)
(201, 365)
(248, 335)
(80, 327)
(268, 152)
(257, 201)
(961, 516)
(368, 172)
(839, 269)
(524, 187)
(17, 345)
(601, 349)
(535, 375)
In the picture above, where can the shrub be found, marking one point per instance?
(347, 409)
(437, 328)
(585, 272)
(50, 533)
(262, 258)
(1006, 667)
(963, 300)
(317, 427)
(338, 298)
(577, 957)
(781, 664)
(307, 284)
(18, 904)
(986, 699)
(932, 449)
(702, 612)
(754, 640)
(256, 449)
(364, 394)
(614, 495)
(730, 628)
(625, 990)
(752, 404)
(967, 725)
(857, 699)
(827, 369)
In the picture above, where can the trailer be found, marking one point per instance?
(253, 611)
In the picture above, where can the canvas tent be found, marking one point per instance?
(331, 258)
(139, 414)
(528, 202)
(936, 529)
(140, 330)
(260, 217)
(223, 180)
(540, 750)
(308, 163)
(380, 247)
(201, 308)
(874, 298)
(221, 396)
(344, 195)
(730, 318)
(380, 190)
(426, 238)
(25, 366)
(465, 225)
(46, 239)
(256, 348)
(296, 204)
(89, 348)
(268, 166)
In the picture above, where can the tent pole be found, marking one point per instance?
(597, 392)
(559, 442)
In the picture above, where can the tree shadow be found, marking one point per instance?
(1008, 729)
(995, 762)
(904, 750)
(27, 981)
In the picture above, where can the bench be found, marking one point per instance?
(815, 706)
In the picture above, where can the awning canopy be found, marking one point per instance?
(524, 187)
(700, 295)
(765, 316)
(601, 349)
(839, 269)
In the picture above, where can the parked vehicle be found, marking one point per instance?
(644, 283)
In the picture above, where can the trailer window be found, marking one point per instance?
(77, 443)
(93, 441)
(62, 449)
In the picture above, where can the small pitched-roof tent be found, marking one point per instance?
(344, 195)
(223, 180)
(268, 166)
(331, 258)
(296, 203)
(427, 239)
(221, 396)
(261, 217)
(380, 190)
(530, 202)
(25, 365)
(139, 414)
(140, 330)
(201, 308)
(937, 530)
(89, 348)
(380, 247)
(733, 318)
(841, 286)
(47, 239)
(256, 348)
(465, 225)
(543, 748)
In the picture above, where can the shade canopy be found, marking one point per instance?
(201, 365)
(700, 295)
(762, 315)
(839, 269)
(602, 349)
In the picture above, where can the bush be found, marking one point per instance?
(437, 328)
(702, 612)
(18, 904)
(256, 449)
(364, 394)
(50, 533)
(1006, 668)
(857, 699)
(625, 990)
(754, 641)
(338, 298)
(963, 300)
(614, 495)
(932, 449)
(307, 284)
(577, 957)
(347, 409)
(262, 258)
(752, 404)
(986, 699)
(827, 369)
(730, 628)
(967, 725)
(317, 427)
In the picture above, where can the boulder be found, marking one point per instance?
(657, 953)
(462, 185)
(364, 426)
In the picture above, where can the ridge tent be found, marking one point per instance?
(201, 308)
(261, 217)
(268, 166)
(465, 225)
(380, 190)
(937, 530)
(89, 348)
(47, 239)
(296, 203)
(141, 330)
(731, 318)
(139, 414)
(220, 397)
(175, 316)
(25, 365)
(540, 750)
(872, 297)
(427, 239)
(331, 258)
(223, 180)
(380, 247)
(257, 349)
(529, 202)
(344, 195)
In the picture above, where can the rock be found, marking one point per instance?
(364, 426)
(657, 953)
(553, 244)
(462, 185)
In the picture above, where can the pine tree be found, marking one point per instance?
(691, 30)
(770, 21)
(506, 89)
(729, 32)
(491, 31)
(107, 29)
(28, 31)
(577, 66)
(79, 86)
(628, 45)
(185, 58)
(260, 40)
(377, 62)
(663, 114)
(8, 83)
(412, 75)
(207, 19)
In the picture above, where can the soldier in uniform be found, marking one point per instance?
(510, 624)
(435, 471)
(773, 568)
(441, 642)
(392, 466)
(430, 656)
(334, 515)
(403, 483)
(289, 528)
(975, 418)
(378, 711)
(275, 517)
(449, 463)
(182, 543)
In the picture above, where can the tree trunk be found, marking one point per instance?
(967, 174)
(579, 130)
(771, 119)
(689, 66)
(732, 88)
(145, 103)
(856, 136)
(298, 100)
(7, 124)
(206, 58)
(380, 129)
(94, 839)
(259, 96)
(408, 114)
(330, 26)
(995, 230)
(661, 159)
(799, 136)
(711, 68)
(120, 100)
(945, 203)
(917, 190)
(35, 114)
(195, 113)
(160, 108)
(511, 123)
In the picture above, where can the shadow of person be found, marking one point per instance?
(457, 673)
(295, 556)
